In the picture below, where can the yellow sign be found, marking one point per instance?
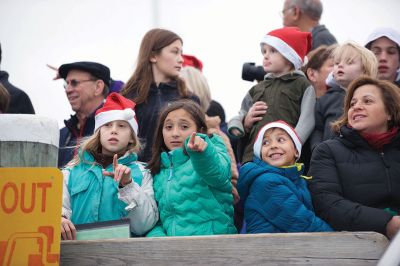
(30, 216)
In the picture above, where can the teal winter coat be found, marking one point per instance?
(194, 192)
(89, 196)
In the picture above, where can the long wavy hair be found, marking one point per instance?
(390, 96)
(139, 83)
(198, 116)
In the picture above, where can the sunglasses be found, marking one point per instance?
(73, 83)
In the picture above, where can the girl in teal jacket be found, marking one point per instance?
(105, 181)
(191, 175)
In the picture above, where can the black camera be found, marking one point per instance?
(251, 72)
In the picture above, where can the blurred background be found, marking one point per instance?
(223, 34)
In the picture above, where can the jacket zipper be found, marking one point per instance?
(387, 172)
(168, 194)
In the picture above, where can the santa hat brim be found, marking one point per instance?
(277, 124)
(286, 50)
(127, 115)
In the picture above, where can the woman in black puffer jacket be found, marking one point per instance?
(356, 175)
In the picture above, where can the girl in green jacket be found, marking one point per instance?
(105, 181)
(191, 175)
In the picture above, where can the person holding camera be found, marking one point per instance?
(285, 93)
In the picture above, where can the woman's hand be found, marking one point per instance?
(121, 173)
(255, 114)
(68, 231)
(393, 226)
(196, 143)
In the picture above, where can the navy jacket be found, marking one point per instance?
(321, 36)
(277, 199)
(20, 103)
(70, 136)
(328, 108)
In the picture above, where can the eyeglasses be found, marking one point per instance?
(73, 82)
(282, 13)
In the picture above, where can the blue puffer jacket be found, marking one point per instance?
(277, 199)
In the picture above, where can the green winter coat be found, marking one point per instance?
(194, 192)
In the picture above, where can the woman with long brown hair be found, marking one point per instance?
(156, 82)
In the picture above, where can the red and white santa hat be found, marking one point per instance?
(116, 107)
(292, 43)
(277, 124)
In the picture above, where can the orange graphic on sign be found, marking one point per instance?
(30, 216)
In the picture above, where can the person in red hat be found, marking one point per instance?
(104, 181)
(191, 60)
(273, 187)
(284, 94)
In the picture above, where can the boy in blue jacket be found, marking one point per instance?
(273, 188)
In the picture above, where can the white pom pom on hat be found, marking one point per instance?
(117, 107)
(277, 124)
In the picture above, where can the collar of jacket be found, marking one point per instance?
(127, 158)
(3, 75)
(351, 138)
(163, 86)
(292, 172)
(335, 89)
(174, 157)
(289, 76)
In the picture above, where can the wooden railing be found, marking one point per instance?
(337, 248)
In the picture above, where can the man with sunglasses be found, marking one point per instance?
(305, 14)
(86, 86)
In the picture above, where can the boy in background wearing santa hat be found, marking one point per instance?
(272, 186)
(284, 94)
(104, 181)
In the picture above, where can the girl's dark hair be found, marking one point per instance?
(198, 116)
(140, 81)
(390, 96)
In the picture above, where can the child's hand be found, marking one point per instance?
(255, 114)
(121, 173)
(68, 231)
(196, 143)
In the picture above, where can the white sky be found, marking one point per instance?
(222, 33)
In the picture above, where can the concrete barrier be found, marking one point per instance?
(28, 141)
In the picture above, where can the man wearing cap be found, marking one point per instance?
(385, 44)
(305, 14)
(86, 86)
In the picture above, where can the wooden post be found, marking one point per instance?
(28, 141)
(336, 248)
